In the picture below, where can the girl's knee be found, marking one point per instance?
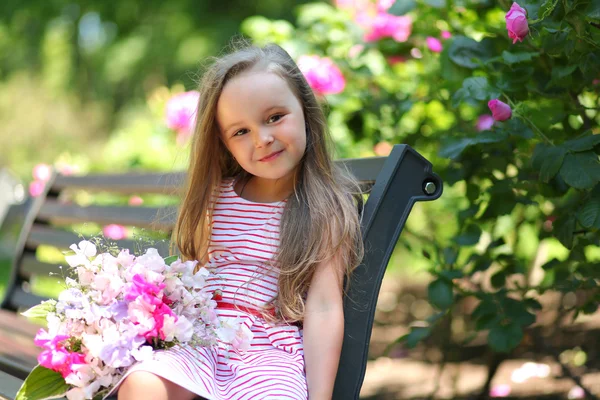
(146, 385)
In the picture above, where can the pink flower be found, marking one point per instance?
(114, 231)
(434, 44)
(500, 390)
(66, 169)
(484, 122)
(446, 35)
(42, 172)
(386, 25)
(596, 81)
(322, 74)
(500, 111)
(516, 23)
(576, 392)
(384, 5)
(55, 356)
(180, 112)
(36, 188)
(136, 201)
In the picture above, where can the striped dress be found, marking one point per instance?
(245, 237)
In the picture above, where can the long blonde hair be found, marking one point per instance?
(320, 219)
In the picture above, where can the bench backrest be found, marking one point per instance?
(396, 182)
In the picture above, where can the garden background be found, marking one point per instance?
(493, 288)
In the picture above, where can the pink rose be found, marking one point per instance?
(180, 113)
(114, 231)
(501, 390)
(446, 35)
(500, 111)
(42, 172)
(386, 25)
(136, 201)
(484, 122)
(516, 23)
(322, 74)
(36, 188)
(434, 44)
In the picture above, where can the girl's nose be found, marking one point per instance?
(263, 138)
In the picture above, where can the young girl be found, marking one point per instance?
(270, 214)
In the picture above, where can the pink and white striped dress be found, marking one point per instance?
(245, 237)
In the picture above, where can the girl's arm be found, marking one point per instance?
(323, 328)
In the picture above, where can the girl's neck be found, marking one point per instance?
(263, 190)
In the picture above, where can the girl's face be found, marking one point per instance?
(262, 124)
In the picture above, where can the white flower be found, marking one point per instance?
(76, 394)
(143, 353)
(184, 329)
(83, 252)
(93, 343)
(152, 261)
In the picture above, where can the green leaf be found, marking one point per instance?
(515, 58)
(485, 307)
(42, 383)
(468, 53)
(171, 259)
(516, 127)
(440, 294)
(470, 236)
(564, 228)
(517, 311)
(401, 7)
(593, 10)
(416, 334)
(475, 89)
(450, 274)
(551, 264)
(581, 170)
(552, 163)
(498, 279)
(38, 313)
(503, 338)
(436, 3)
(546, 9)
(589, 214)
(587, 142)
(533, 304)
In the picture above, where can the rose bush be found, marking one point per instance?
(521, 211)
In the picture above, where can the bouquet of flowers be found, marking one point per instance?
(116, 310)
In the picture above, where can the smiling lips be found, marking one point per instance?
(271, 156)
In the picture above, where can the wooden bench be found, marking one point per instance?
(394, 183)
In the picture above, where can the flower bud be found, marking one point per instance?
(516, 23)
(500, 111)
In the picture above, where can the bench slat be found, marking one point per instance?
(22, 299)
(9, 385)
(42, 234)
(364, 169)
(30, 265)
(140, 217)
(127, 183)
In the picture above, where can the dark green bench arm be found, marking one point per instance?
(405, 178)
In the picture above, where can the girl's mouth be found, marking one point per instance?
(271, 156)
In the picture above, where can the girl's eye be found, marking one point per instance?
(240, 132)
(274, 118)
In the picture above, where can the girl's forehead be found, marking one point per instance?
(254, 90)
